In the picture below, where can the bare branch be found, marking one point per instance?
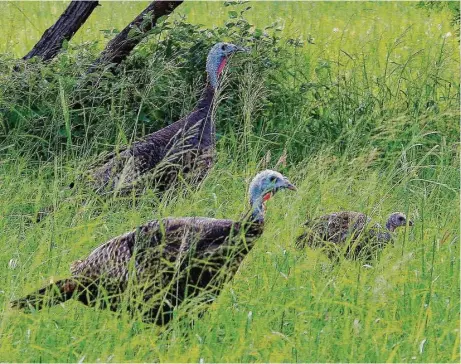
(67, 25)
(121, 46)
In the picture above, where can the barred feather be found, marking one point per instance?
(332, 231)
(165, 260)
(162, 155)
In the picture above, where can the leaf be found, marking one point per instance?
(232, 14)
(133, 32)
(63, 132)
(161, 19)
(257, 33)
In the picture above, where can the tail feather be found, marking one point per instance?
(50, 295)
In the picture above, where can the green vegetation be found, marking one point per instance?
(364, 97)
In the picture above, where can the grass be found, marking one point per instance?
(283, 305)
(400, 154)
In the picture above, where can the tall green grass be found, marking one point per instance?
(283, 305)
(368, 115)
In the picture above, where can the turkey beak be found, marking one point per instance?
(410, 222)
(241, 49)
(290, 186)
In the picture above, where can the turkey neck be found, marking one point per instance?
(389, 226)
(383, 236)
(203, 114)
(206, 99)
(253, 230)
(255, 215)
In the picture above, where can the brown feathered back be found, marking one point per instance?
(157, 266)
(332, 231)
(161, 263)
(182, 147)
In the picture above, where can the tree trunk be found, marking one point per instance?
(67, 25)
(121, 46)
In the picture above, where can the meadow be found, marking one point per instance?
(363, 97)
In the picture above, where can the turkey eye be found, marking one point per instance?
(273, 179)
(223, 47)
(401, 218)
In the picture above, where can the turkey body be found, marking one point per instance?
(159, 264)
(156, 267)
(186, 146)
(333, 231)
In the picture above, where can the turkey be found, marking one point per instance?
(333, 231)
(186, 146)
(163, 262)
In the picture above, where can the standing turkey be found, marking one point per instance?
(186, 146)
(333, 231)
(162, 263)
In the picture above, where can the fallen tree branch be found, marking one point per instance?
(121, 46)
(67, 25)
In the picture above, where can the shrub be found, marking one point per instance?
(282, 95)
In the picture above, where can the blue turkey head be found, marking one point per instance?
(217, 59)
(263, 187)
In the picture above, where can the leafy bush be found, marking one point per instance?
(280, 93)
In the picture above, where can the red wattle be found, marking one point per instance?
(267, 196)
(222, 65)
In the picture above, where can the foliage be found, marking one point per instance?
(366, 104)
(337, 98)
(283, 305)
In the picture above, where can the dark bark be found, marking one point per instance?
(67, 25)
(121, 46)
